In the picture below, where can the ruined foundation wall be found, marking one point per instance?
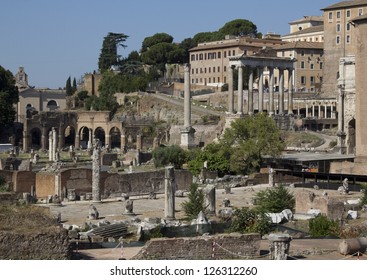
(48, 244)
(228, 246)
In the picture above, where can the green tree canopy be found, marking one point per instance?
(275, 200)
(252, 138)
(68, 87)
(109, 55)
(156, 39)
(195, 202)
(239, 27)
(8, 97)
(163, 156)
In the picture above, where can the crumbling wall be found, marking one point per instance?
(23, 181)
(45, 244)
(227, 246)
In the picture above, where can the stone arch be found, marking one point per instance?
(69, 135)
(35, 135)
(351, 141)
(115, 135)
(52, 105)
(83, 137)
(100, 134)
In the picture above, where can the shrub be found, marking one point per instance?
(364, 198)
(275, 200)
(195, 202)
(322, 226)
(247, 220)
(163, 156)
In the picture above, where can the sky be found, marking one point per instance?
(55, 39)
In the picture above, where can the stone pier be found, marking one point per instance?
(279, 246)
(209, 192)
(169, 193)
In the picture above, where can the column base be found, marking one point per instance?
(188, 138)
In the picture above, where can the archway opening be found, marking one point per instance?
(115, 137)
(35, 138)
(69, 136)
(100, 134)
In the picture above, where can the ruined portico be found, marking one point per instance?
(261, 63)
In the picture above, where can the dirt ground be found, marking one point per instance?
(75, 213)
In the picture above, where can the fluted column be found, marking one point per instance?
(281, 91)
(261, 90)
(230, 91)
(240, 91)
(290, 91)
(251, 92)
(187, 101)
(271, 91)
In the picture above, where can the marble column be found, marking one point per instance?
(187, 97)
(50, 141)
(169, 192)
(290, 91)
(96, 171)
(230, 91)
(90, 141)
(341, 133)
(306, 110)
(54, 143)
(61, 138)
(271, 91)
(77, 141)
(44, 138)
(313, 110)
(281, 91)
(240, 91)
(123, 141)
(325, 112)
(261, 90)
(210, 198)
(251, 92)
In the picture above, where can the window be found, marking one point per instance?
(348, 26)
(218, 79)
(360, 12)
(348, 13)
(192, 81)
(338, 40)
(348, 39)
(302, 64)
(219, 55)
(197, 71)
(338, 14)
(225, 79)
(213, 79)
(201, 70)
(192, 71)
(210, 80)
(303, 80)
(321, 65)
(197, 81)
(196, 57)
(233, 52)
(218, 68)
(209, 70)
(330, 16)
(338, 27)
(192, 57)
(302, 53)
(225, 68)
(201, 56)
(225, 54)
(213, 69)
(205, 70)
(312, 66)
(312, 80)
(205, 56)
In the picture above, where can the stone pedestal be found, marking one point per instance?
(187, 138)
(279, 246)
(210, 198)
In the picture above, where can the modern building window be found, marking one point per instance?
(348, 13)
(225, 54)
(360, 12)
(213, 79)
(192, 81)
(302, 65)
(205, 56)
(196, 57)
(225, 68)
(312, 80)
(225, 79)
(218, 68)
(302, 53)
(338, 27)
(192, 57)
(205, 70)
(197, 71)
(233, 52)
(201, 56)
(201, 70)
(219, 55)
(209, 68)
(338, 14)
(312, 66)
(321, 65)
(348, 26)
(338, 40)
(210, 80)
(192, 71)
(213, 69)
(330, 16)
(303, 80)
(348, 39)
(218, 79)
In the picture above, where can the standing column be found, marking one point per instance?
(90, 142)
(240, 91)
(123, 141)
(187, 101)
(281, 91)
(96, 170)
(341, 133)
(251, 92)
(313, 110)
(261, 89)
(290, 91)
(306, 110)
(319, 112)
(77, 140)
(61, 138)
(169, 191)
(50, 141)
(210, 198)
(54, 143)
(271, 91)
(230, 91)
(108, 141)
(325, 112)
(44, 138)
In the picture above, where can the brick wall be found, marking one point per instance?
(23, 181)
(45, 184)
(228, 246)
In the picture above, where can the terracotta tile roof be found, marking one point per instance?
(300, 45)
(312, 29)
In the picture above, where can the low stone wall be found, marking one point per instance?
(227, 246)
(48, 244)
(23, 181)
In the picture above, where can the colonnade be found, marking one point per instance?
(261, 63)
